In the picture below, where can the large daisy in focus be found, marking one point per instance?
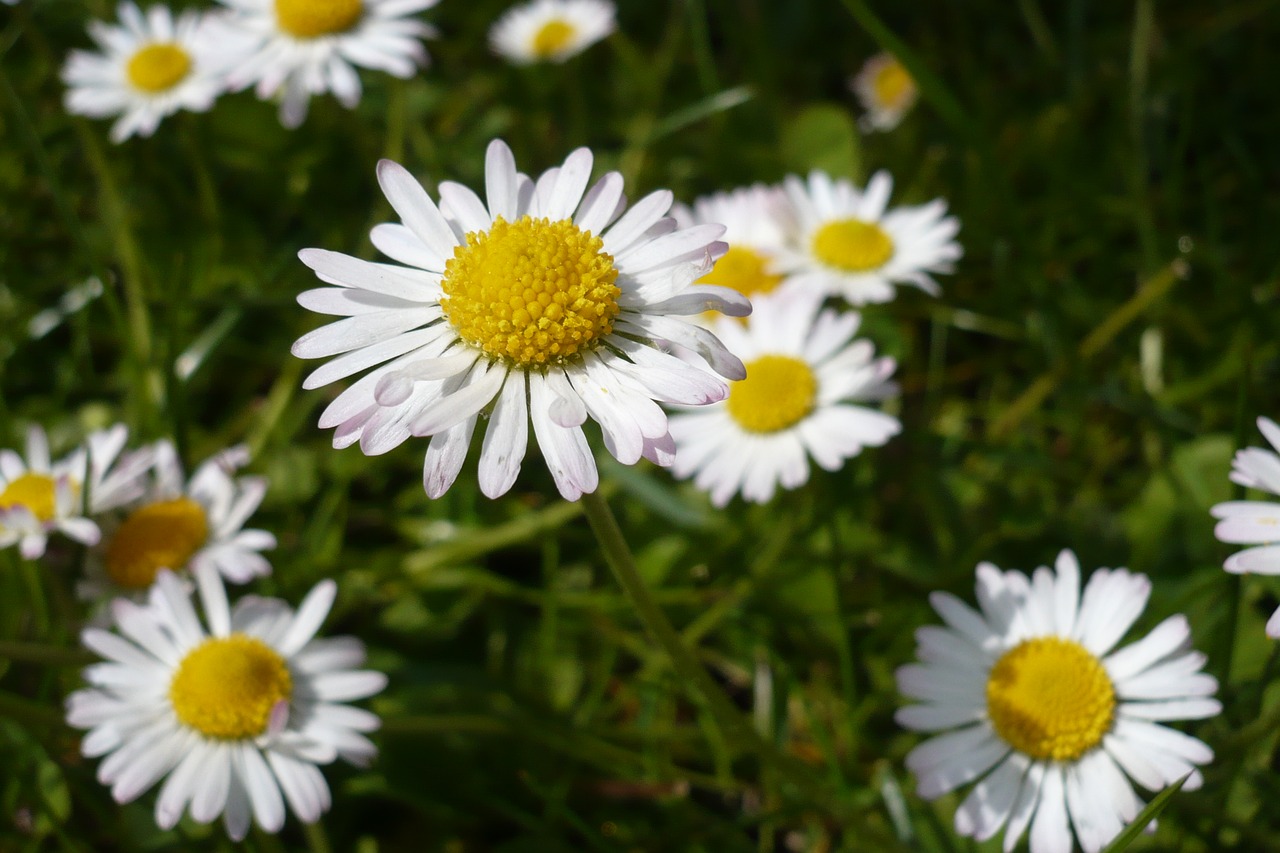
(1045, 713)
(886, 90)
(805, 372)
(235, 715)
(180, 524)
(39, 496)
(541, 305)
(298, 48)
(1254, 523)
(849, 244)
(147, 68)
(550, 30)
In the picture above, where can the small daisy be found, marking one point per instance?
(850, 246)
(1037, 706)
(300, 48)
(234, 715)
(1254, 522)
(886, 90)
(757, 220)
(148, 68)
(39, 496)
(803, 371)
(550, 30)
(542, 306)
(180, 524)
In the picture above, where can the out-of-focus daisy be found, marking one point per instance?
(299, 48)
(804, 371)
(1254, 523)
(542, 305)
(148, 67)
(1038, 707)
(757, 220)
(886, 90)
(180, 524)
(235, 715)
(39, 496)
(550, 30)
(849, 245)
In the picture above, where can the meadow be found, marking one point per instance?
(1082, 381)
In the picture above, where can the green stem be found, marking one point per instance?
(317, 838)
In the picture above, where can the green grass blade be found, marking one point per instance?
(1150, 813)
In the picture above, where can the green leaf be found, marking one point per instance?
(824, 137)
(1144, 818)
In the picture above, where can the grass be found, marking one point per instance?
(1082, 382)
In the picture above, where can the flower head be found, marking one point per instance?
(540, 306)
(299, 48)
(148, 67)
(1254, 523)
(886, 90)
(235, 715)
(1038, 705)
(850, 245)
(550, 30)
(804, 373)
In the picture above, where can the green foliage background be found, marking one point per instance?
(1082, 382)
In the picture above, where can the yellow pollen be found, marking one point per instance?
(853, 245)
(161, 535)
(892, 84)
(158, 67)
(531, 291)
(778, 392)
(552, 37)
(226, 687)
(307, 19)
(37, 492)
(1050, 699)
(745, 270)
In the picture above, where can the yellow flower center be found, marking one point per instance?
(226, 687)
(1050, 699)
(531, 291)
(778, 392)
(162, 535)
(158, 67)
(306, 19)
(552, 37)
(853, 245)
(745, 270)
(37, 492)
(892, 84)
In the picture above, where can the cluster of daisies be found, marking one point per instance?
(151, 64)
(237, 709)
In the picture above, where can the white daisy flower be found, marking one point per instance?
(551, 30)
(195, 524)
(1037, 706)
(234, 715)
(300, 48)
(804, 370)
(886, 90)
(1254, 522)
(849, 245)
(148, 67)
(540, 306)
(39, 496)
(757, 221)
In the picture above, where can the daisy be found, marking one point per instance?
(757, 221)
(234, 715)
(39, 496)
(195, 524)
(886, 90)
(1037, 706)
(850, 246)
(550, 30)
(300, 48)
(1254, 522)
(804, 370)
(147, 68)
(542, 306)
